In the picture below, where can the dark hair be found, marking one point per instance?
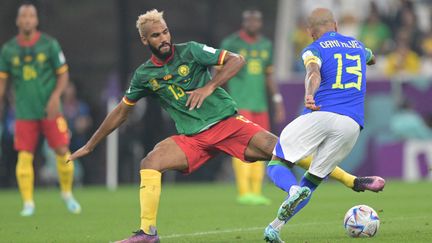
(33, 3)
(250, 11)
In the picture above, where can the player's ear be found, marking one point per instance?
(144, 40)
(335, 27)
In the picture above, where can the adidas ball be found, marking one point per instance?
(361, 221)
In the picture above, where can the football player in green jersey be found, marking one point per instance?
(205, 115)
(35, 64)
(249, 89)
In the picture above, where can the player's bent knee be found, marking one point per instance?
(61, 151)
(261, 146)
(151, 163)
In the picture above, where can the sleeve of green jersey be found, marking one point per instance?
(369, 55)
(136, 90)
(57, 57)
(4, 67)
(206, 55)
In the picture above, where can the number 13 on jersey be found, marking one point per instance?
(356, 70)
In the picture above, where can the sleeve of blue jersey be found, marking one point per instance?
(368, 53)
(311, 54)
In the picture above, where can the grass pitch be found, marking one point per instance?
(208, 213)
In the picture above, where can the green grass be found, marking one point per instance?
(208, 213)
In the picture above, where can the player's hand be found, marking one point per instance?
(53, 107)
(310, 103)
(83, 151)
(197, 97)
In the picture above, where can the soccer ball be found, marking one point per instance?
(361, 221)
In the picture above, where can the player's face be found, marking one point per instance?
(252, 24)
(158, 38)
(27, 19)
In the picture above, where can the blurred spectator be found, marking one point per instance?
(426, 47)
(349, 25)
(409, 124)
(300, 39)
(374, 33)
(403, 60)
(8, 155)
(406, 19)
(77, 115)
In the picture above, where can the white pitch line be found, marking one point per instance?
(212, 232)
(235, 230)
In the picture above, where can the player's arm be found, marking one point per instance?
(232, 63)
(111, 122)
(53, 105)
(312, 62)
(61, 68)
(312, 83)
(276, 96)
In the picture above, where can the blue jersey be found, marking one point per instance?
(342, 60)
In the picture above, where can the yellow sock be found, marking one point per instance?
(305, 163)
(65, 173)
(342, 176)
(337, 174)
(242, 171)
(25, 175)
(150, 190)
(257, 176)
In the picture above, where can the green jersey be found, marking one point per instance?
(185, 70)
(248, 87)
(33, 67)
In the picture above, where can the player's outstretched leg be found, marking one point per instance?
(166, 155)
(281, 175)
(358, 184)
(370, 183)
(298, 197)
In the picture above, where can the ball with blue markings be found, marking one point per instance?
(361, 221)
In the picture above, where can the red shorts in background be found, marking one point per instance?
(260, 118)
(231, 136)
(27, 133)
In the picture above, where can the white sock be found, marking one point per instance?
(29, 204)
(293, 190)
(277, 224)
(66, 195)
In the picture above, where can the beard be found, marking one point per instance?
(158, 53)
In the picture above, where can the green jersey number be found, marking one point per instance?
(254, 67)
(29, 72)
(356, 70)
(176, 91)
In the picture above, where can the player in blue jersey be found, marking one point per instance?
(335, 86)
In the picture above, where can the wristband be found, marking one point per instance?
(277, 98)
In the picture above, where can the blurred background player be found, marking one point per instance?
(249, 89)
(335, 88)
(35, 64)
